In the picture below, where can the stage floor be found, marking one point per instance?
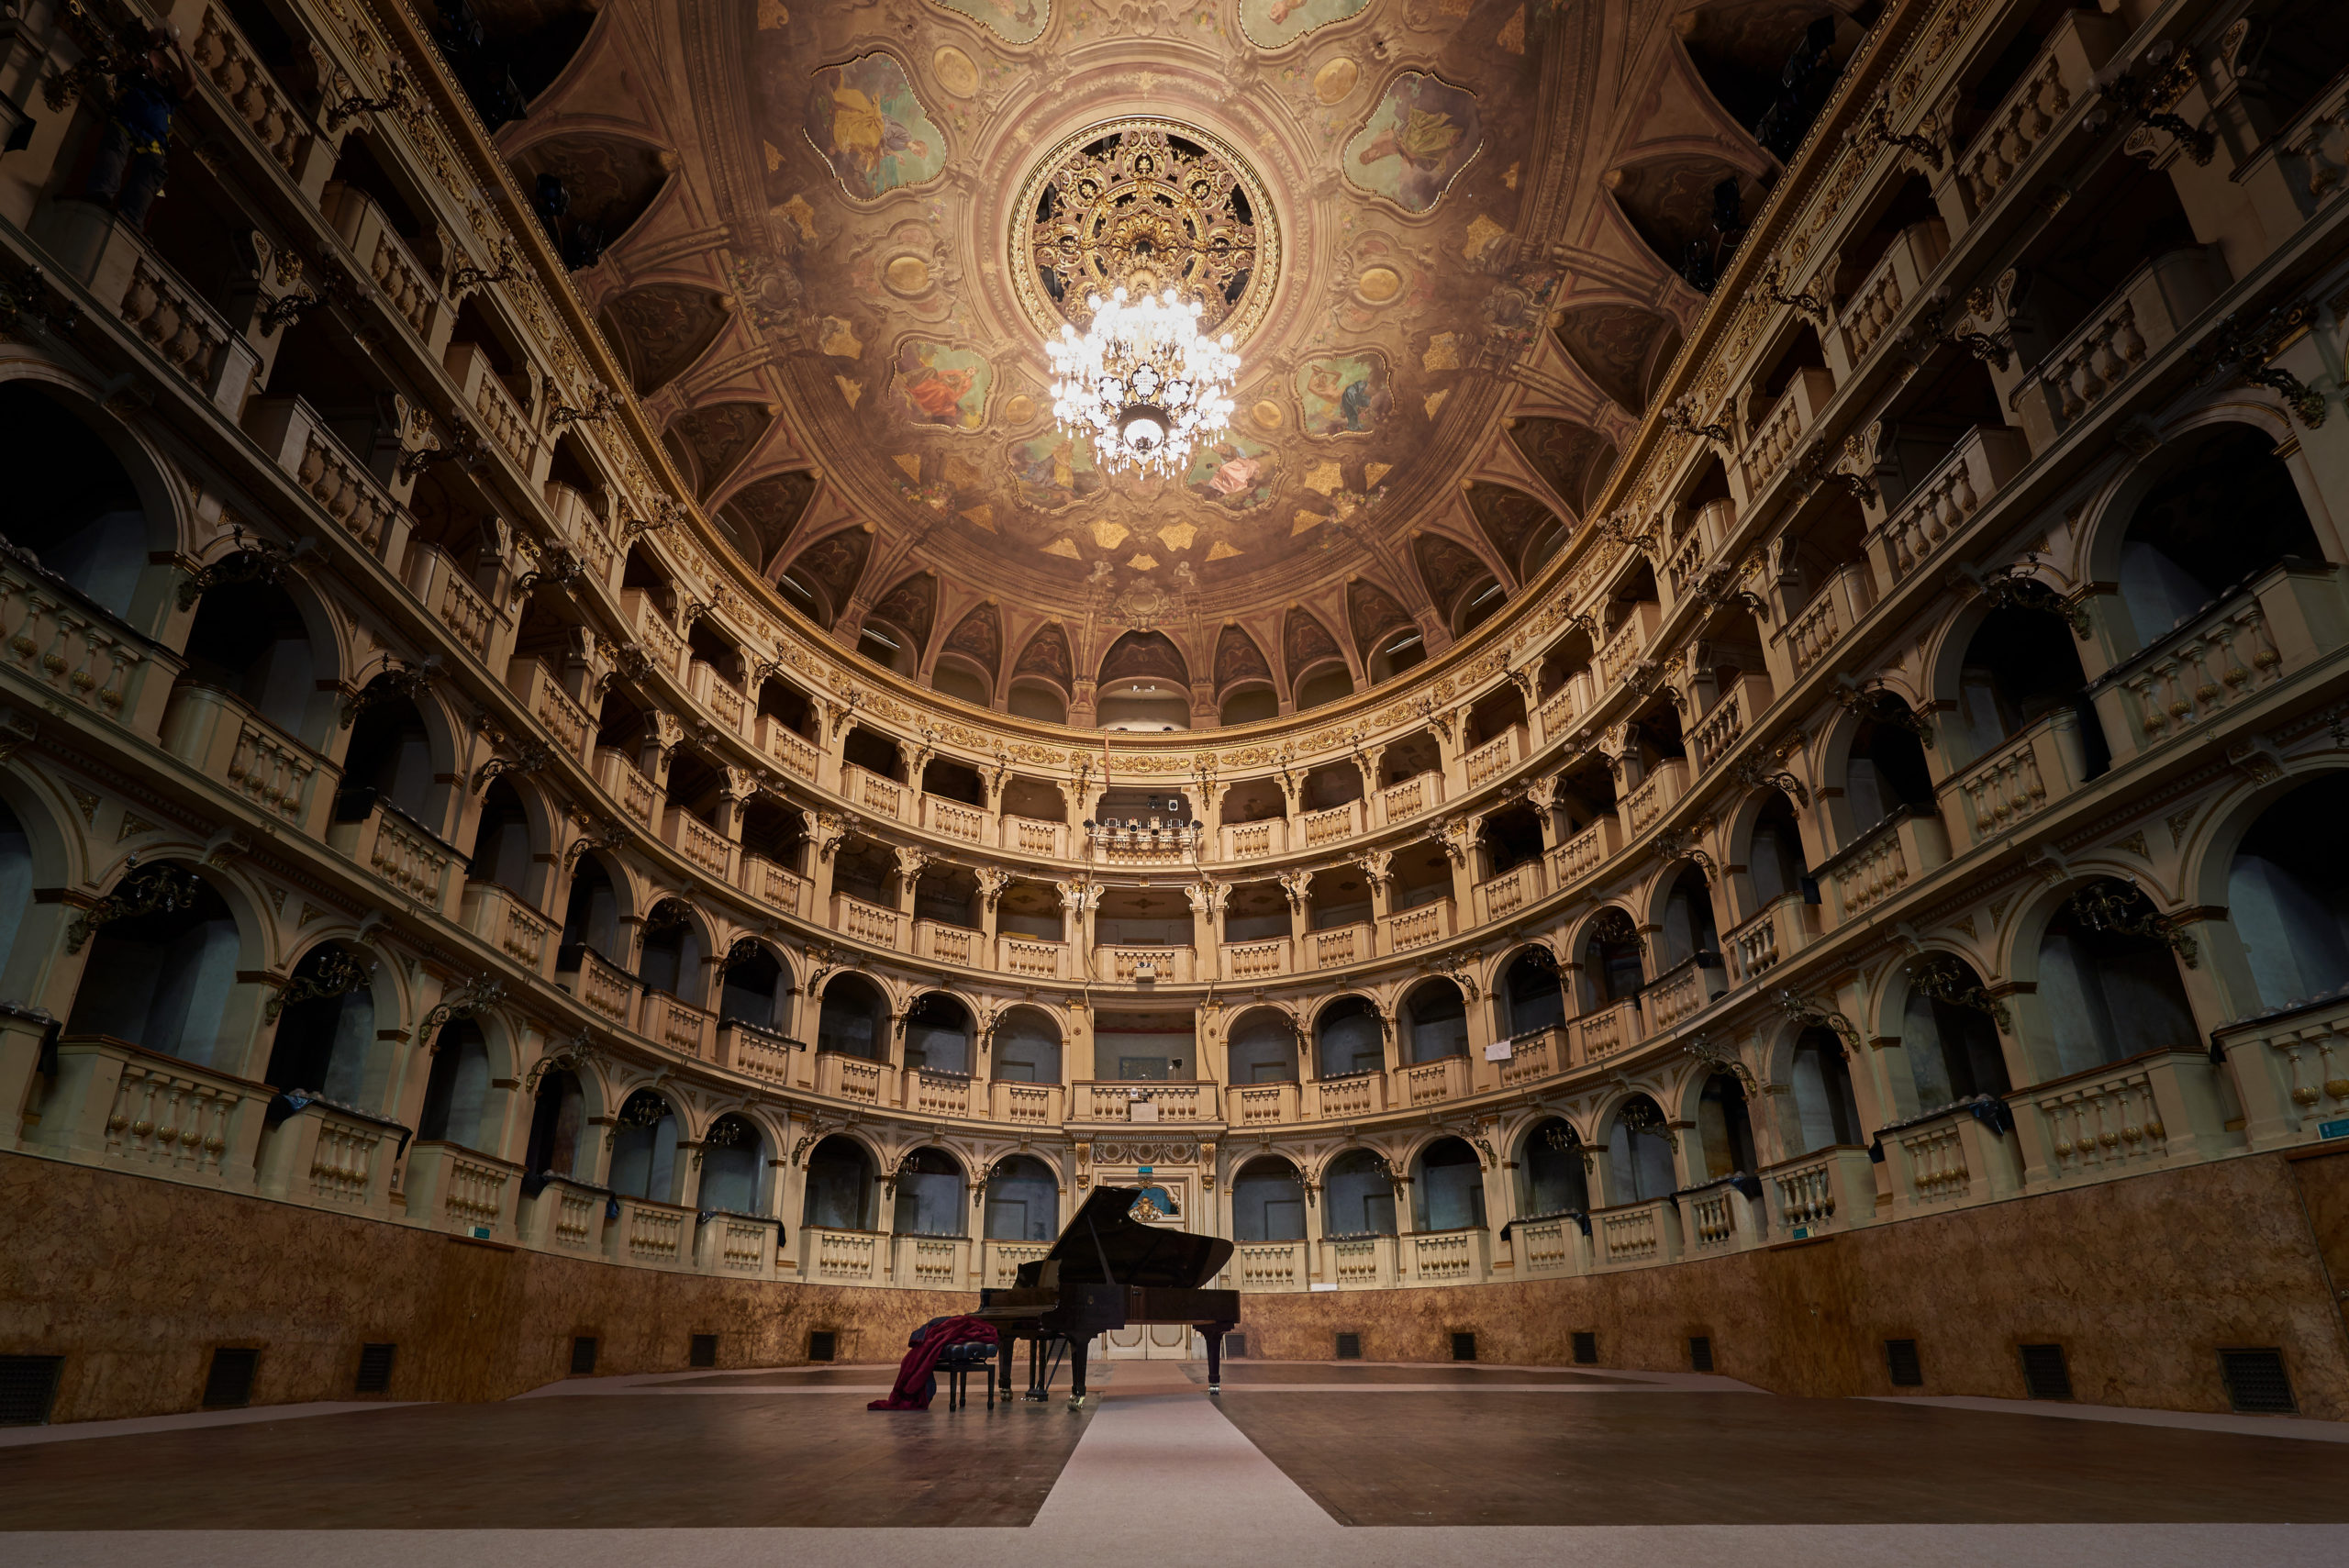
(1298, 1465)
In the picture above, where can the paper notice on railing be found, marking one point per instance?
(1500, 1050)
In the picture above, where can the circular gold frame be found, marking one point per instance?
(1255, 302)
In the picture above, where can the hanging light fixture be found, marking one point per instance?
(1141, 382)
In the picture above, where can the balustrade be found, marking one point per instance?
(772, 885)
(1884, 859)
(562, 1216)
(1784, 927)
(1031, 959)
(716, 695)
(404, 284)
(650, 1234)
(2065, 73)
(1828, 1189)
(1498, 897)
(2135, 322)
(79, 655)
(1026, 836)
(1002, 1260)
(1142, 963)
(1604, 1032)
(1683, 991)
(1418, 793)
(406, 856)
(458, 1189)
(565, 722)
(1781, 430)
(755, 1052)
(737, 1244)
(1494, 758)
(1531, 1057)
(332, 1157)
(1645, 805)
(299, 443)
(1252, 841)
(1637, 1233)
(843, 1257)
(934, 1092)
(1256, 961)
(1896, 282)
(1339, 822)
(1547, 1246)
(2156, 1110)
(954, 820)
(503, 920)
(1427, 1083)
(112, 1103)
(949, 944)
(440, 585)
(1945, 500)
(676, 1024)
(857, 1078)
(1359, 1262)
(1103, 1100)
(778, 740)
(222, 739)
(1262, 1104)
(2215, 662)
(1270, 1266)
(1589, 851)
(1951, 1159)
(2024, 776)
(186, 332)
(1834, 610)
(1419, 926)
(227, 62)
(929, 1262)
(597, 983)
(1337, 946)
(1356, 1095)
(1717, 1219)
(699, 842)
(1027, 1105)
(627, 787)
(1449, 1257)
(871, 792)
(862, 922)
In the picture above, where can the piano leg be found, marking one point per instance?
(1035, 1389)
(1077, 1350)
(1214, 1332)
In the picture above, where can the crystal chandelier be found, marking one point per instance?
(1141, 382)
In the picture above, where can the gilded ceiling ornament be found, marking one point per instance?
(1145, 204)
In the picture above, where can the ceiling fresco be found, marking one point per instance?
(1446, 235)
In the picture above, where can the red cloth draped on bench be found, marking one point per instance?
(910, 1392)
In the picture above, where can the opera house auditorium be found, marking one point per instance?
(1308, 782)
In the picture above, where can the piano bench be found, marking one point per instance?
(957, 1364)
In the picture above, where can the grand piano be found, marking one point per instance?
(1109, 1271)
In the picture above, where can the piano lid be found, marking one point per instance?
(1104, 1231)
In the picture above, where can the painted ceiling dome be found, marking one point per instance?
(1455, 248)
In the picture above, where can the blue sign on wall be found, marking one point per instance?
(2332, 1128)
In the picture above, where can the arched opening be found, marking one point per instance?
(1402, 649)
(1556, 1181)
(2109, 980)
(1950, 1035)
(937, 1034)
(733, 1167)
(929, 1194)
(1348, 1038)
(1639, 1153)
(1448, 1192)
(1023, 1200)
(72, 505)
(1263, 1049)
(558, 1119)
(1360, 1195)
(1614, 961)
(755, 987)
(1688, 929)
(502, 851)
(1267, 1201)
(839, 1186)
(16, 881)
(951, 678)
(1725, 1127)
(1039, 700)
(456, 1091)
(325, 1034)
(1826, 1112)
(591, 915)
(1324, 685)
(2021, 667)
(389, 762)
(2227, 513)
(1027, 1048)
(1774, 858)
(889, 647)
(1886, 772)
(162, 980)
(670, 960)
(1477, 604)
(2288, 894)
(1249, 704)
(1509, 837)
(644, 1148)
(1435, 1021)
(854, 1019)
(1531, 992)
(250, 641)
(788, 706)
